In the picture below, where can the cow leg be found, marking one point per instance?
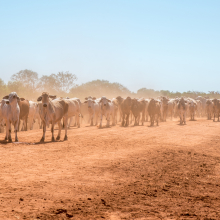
(123, 120)
(31, 123)
(60, 128)
(113, 119)
(52, 131)
(7, 128)
(108, 120)
(9, 132)
(127, 120)
(100, 124)
(91, 123)
(16, 130)
(70, 121)
(26, 120)
(153, 118)
(65, 137)
(77, 119)
(44, 131)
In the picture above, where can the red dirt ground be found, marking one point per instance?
(164, 172)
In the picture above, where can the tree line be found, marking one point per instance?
(29, 85)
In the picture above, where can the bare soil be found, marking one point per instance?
(163, 172)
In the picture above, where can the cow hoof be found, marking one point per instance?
(42, 139)
(65, 138)
(53, 139)
(58, 138)
(16, 140)
(6, 138)
(9, 140)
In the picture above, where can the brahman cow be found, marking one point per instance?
(126, 110)
(52, 112)
(24, 112)
(154, 111)
(33, 114)
(182, 108)
(106, 108)
(216, 108)
(164, 108)
(209, 109)
(192, 106)
(171, 107)
(93, 109)
(119, 100)
(10, 113)
(137, 109)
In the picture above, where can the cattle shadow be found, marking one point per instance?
(181, 124)
(5, 142)
(152, 126)
(48, 142)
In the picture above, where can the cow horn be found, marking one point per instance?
(6, 97)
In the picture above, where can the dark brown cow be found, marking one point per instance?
(216, 108)
(164, 108)
(154, 111)
(209, 109)
(24, 112)
(120, 100)
(125, 109)
(137, 108)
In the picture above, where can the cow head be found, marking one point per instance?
(104, 101)
(45, 98)
(11, 98)
(120, 99)
(90, 103)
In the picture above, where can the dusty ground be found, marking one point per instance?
(165, 172)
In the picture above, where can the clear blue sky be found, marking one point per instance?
(170, 45)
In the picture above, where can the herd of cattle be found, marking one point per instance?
(57, 110)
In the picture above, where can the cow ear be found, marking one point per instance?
(6, 97)
(86, 98)
(18, 99)
(93, 101)
(94, 98)
(109, 100)
(52, 96)
(85, 101)
(39, 98)
(22, 99)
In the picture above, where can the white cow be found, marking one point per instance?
(33, 114)
(171, 107)
(107, 109)
(93, 109)
(52, 112)
(10, 113)
(1, 119)
(74, 110)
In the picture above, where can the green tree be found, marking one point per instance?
(99, 88)
(57, 84)
(28, 78)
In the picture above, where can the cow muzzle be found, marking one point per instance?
(44, 105)
(104, 104)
